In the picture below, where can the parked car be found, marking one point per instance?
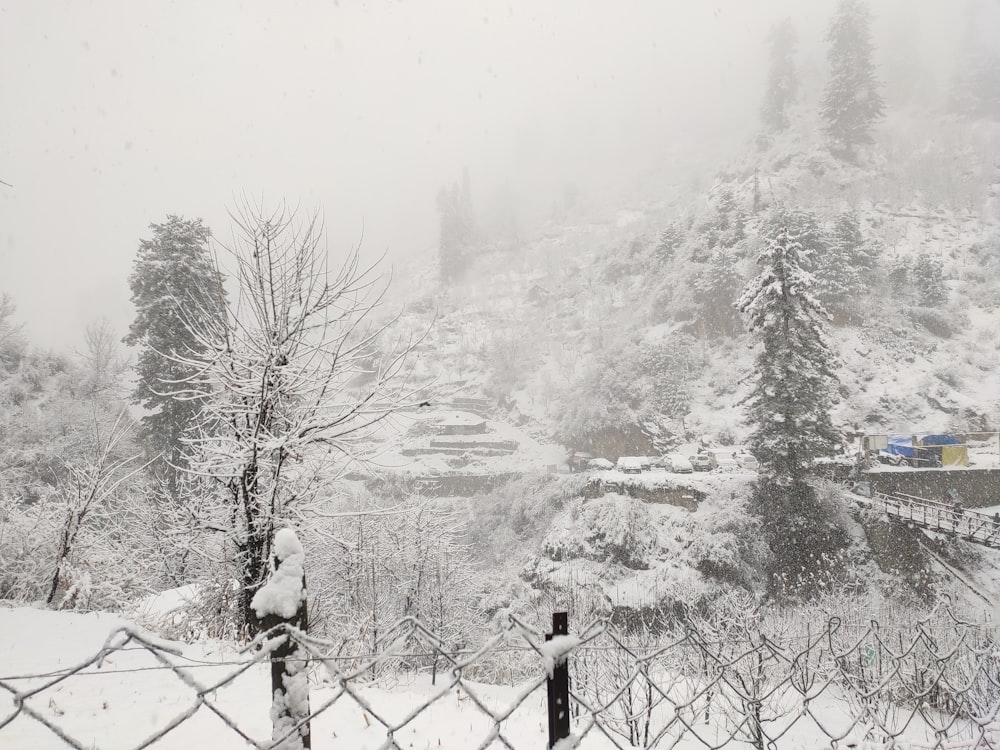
(647, 462)
(599, 464)
(748, 462)
(703, 462)
(676, 463)
(630, 465)
(579, 460)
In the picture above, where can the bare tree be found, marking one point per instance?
(12, 342)
(287, 384)
(88, 490)
(103, 364)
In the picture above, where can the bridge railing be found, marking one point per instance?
(940, 516)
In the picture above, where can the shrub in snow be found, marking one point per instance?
(726, 543)
(613, 528)
(942, 324)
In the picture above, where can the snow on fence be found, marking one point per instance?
(930, 684)
(742, 679)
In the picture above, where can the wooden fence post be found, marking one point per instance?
(558, 685)
(282, 600)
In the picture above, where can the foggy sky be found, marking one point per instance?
(115, 114)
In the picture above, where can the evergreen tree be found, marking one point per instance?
(976, 91)
(852, 102)
(789, 405)
(782, 78)
(719, 288)
(457, 228)
(670, 239)
(928, 278)
(789, 411)
(175, 289)
(804, 225)
(846, 270)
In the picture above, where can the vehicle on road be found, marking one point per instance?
(630, 465)
(579, 460)
(676, 463)
(703, 462)
(599, 464)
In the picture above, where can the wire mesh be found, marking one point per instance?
(698, 683)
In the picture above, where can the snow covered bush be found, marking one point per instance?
(376, 561)
(614, 529)
(726, 545)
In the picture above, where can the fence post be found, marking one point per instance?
(282, 600)
(558, 685)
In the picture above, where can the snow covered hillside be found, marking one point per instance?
(529, 327)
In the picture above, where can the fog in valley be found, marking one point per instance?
(117, 114)
(500, 374)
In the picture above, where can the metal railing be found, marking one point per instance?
(943, 517)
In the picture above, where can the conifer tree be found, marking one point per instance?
(976, 86)
(788, 409)
(670, 239)
(805, 226)
(175, 289)
(719, 288)
(789, 405)
(928, 278)
(846, 270)
(457, 228)
(782, 78)
(852, 103)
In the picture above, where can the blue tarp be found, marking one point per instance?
(900, 445)
(938, 440)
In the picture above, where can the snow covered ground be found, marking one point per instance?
(130, 696)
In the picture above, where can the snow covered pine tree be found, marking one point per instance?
(789, 408)
(852, 102)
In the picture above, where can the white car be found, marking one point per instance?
(599, 464)
(677, 464)
(703, 462)
(630, 465)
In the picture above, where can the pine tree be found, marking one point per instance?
(852, 103)
(718, 289)
(789, 410)
(928, 278)
(458, 228)
(175, 288)
(976, 91)
(782, 78)
(670, 239)
(846, 270)
(789, 405)
(807, 228)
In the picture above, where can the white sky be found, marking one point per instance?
(114, 114)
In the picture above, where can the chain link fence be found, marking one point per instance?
(740, 680)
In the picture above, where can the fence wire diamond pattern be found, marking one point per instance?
(700, 684)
